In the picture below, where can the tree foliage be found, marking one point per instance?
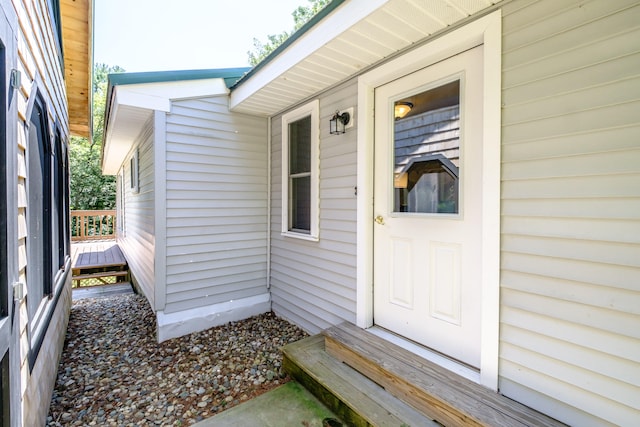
(300, 17)
(89, 189)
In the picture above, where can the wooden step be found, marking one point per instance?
(354, 398)
(100, 275)
(432, 390)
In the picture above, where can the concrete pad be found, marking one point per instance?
(289, 405)
(102, 291)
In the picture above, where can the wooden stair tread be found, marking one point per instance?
(353, 397)
(98, 275)
(437, 392)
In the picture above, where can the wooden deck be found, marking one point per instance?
(98, 262)
(96, 254)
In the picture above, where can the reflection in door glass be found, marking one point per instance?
(427, 151)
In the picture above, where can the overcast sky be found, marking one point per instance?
(158, 35)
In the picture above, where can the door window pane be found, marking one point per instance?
(427, 151)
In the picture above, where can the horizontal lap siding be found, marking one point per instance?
(138, 240)
(570, 209)
(30, 48)
(216, 204)
(314, 283)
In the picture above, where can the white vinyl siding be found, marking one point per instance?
(216, 204)
(29, 39)
(570, 293)
(137, 242)
(314, 283)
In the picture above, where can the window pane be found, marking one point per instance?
(38, 212)
(300, 146)
(427, 151)
(58, 210)
(4, 166)
(300, 203)
(132, 172)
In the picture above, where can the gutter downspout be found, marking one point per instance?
(269, 202)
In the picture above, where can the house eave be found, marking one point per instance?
(131, 102)
(342, 45)
(77, 40)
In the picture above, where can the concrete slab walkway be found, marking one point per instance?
(289, 405)
(102, 291)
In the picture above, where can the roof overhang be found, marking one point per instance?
(77, 45)
(132, 99)
(350, 36)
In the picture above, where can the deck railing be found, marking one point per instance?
(93, 225)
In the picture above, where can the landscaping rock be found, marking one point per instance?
(113, 372)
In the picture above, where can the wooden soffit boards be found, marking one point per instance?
(77, 42)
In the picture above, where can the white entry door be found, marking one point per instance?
(428, 206)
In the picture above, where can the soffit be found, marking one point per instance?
(77, 41)
(352, 38)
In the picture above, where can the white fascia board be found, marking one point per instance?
(328, 29)
(158, 96)
(130, 97)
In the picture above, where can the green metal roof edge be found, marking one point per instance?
(230, 76)
(288, 42)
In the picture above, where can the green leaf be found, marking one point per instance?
(300, 17)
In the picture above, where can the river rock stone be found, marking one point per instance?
(114, 372)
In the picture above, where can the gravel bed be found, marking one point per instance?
(114, 373)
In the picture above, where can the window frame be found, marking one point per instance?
(121, 198)
(43, 250)
(59, 205)
(41, 312)
(54, 13)
(4, 173)
(134, 172)
(312, 110)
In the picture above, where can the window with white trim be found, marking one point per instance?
(134, 178)
(300, 172)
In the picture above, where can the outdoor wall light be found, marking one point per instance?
(15, 79)
(338, 123)
(401, 109)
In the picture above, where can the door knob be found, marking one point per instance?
(379, 220)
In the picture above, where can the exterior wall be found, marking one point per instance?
(216, 205)
(314, 283)
(570, 199)
(136, 238)
(41, 382)
(214, 264)
(570, 279)
(27, 25)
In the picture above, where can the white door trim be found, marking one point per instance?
(486, 30)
